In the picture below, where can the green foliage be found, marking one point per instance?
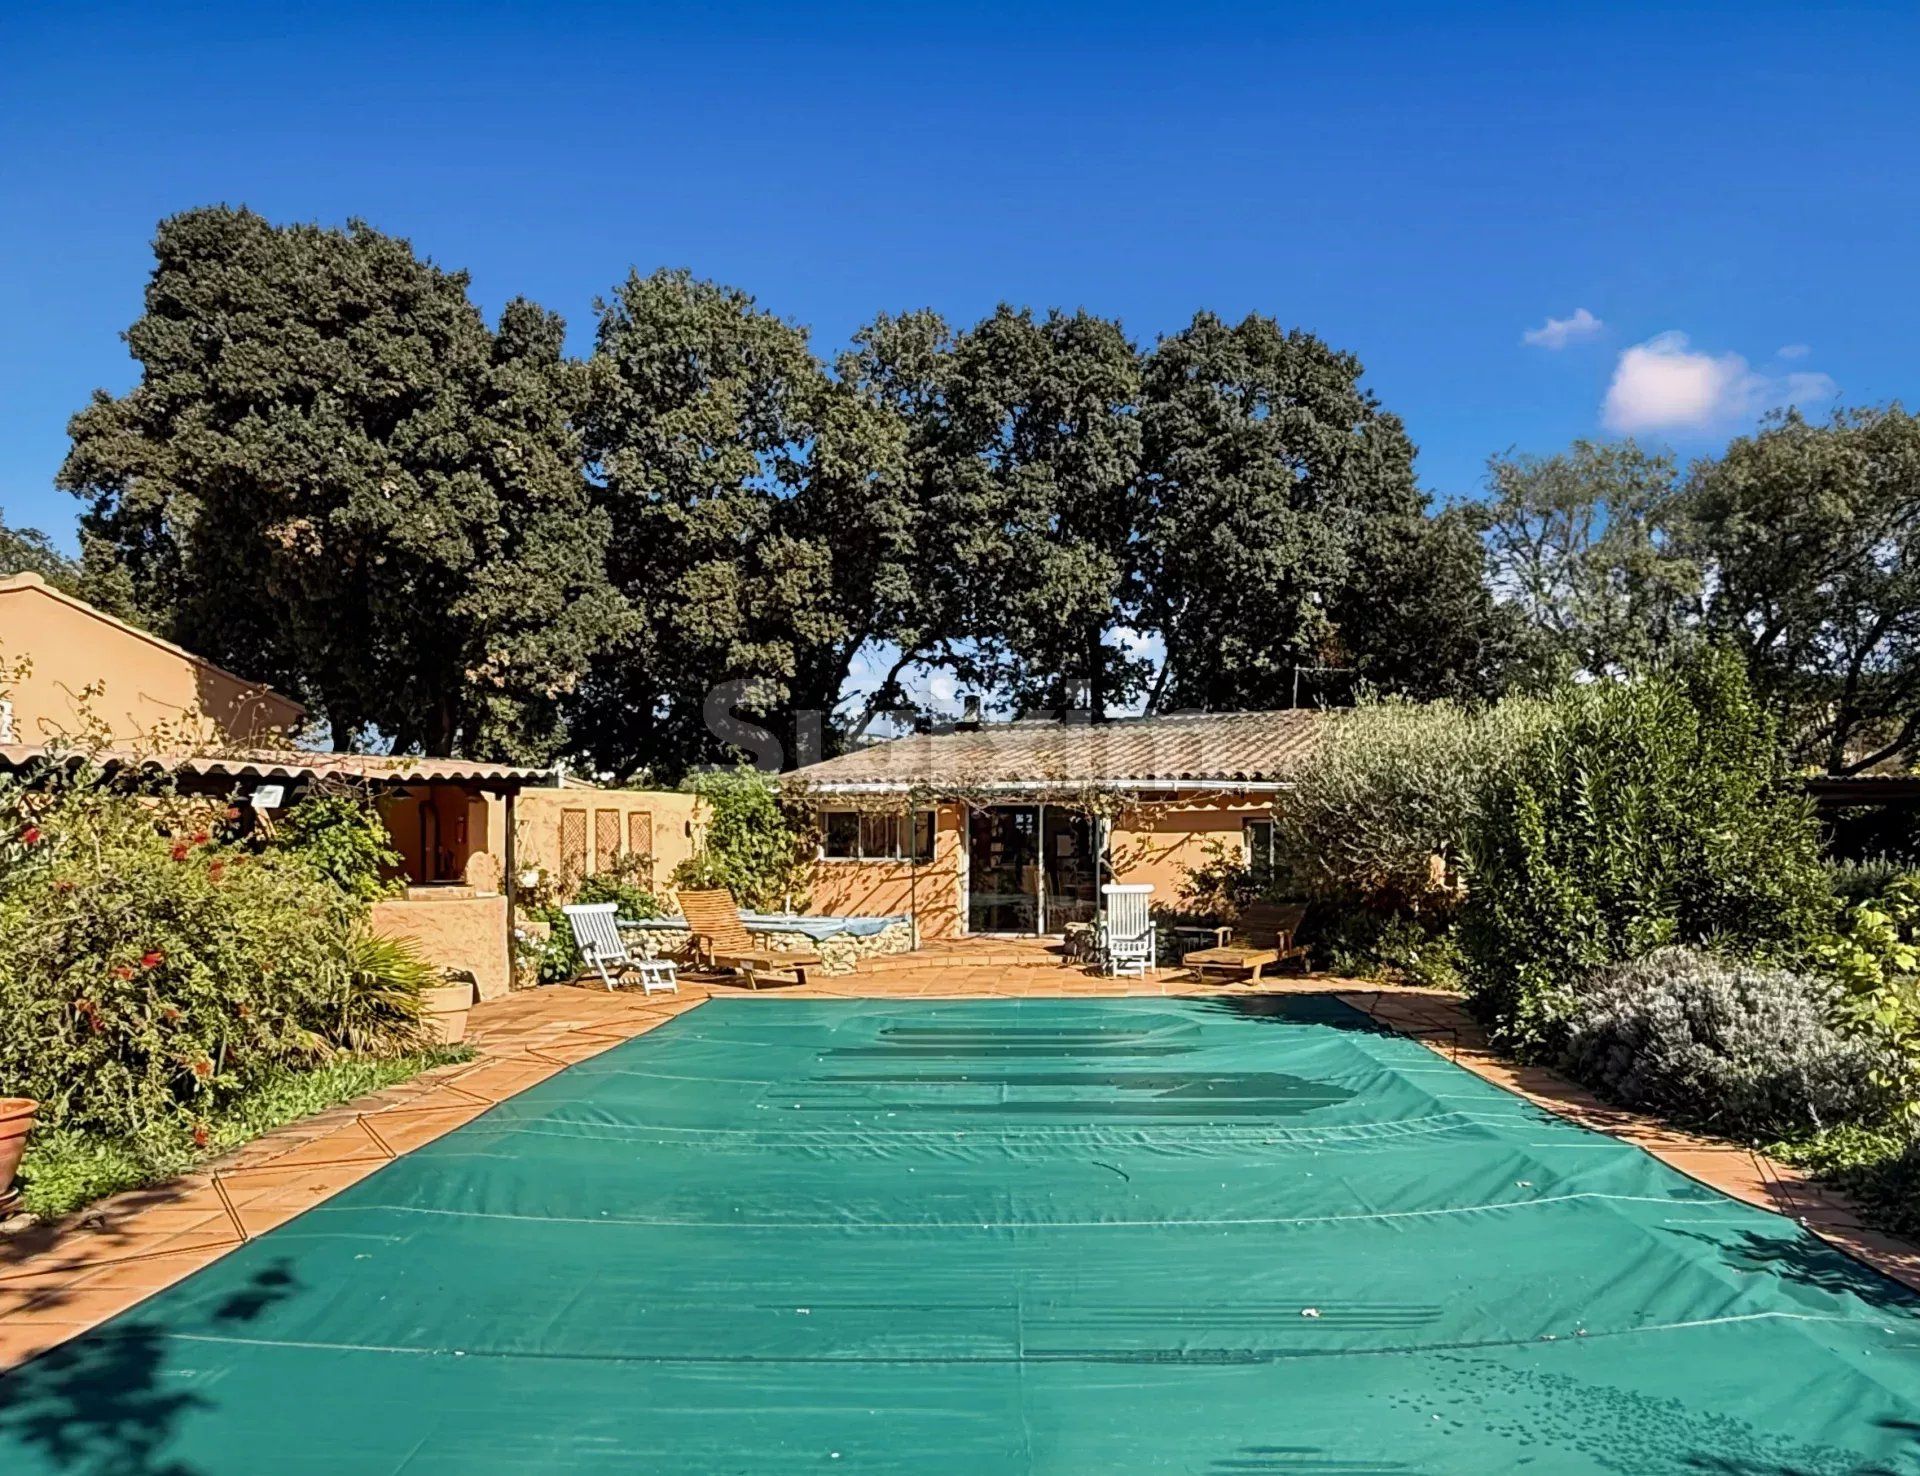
(1583, 546)
(1744, 1050)
(1812, 534)
(1878, 1167)
(699, 411)
(1865, 880)
(340, 835)
(1042, 472)
(381, 981)
(333, 476)
(624, 883)
(1378, 816)
(1643, 813)
(1875, 957)
(29, 551)
(66, 1168)
(1282, 527)
(753, 846)
(1224, 883)
(1406, 948)
(148, 973)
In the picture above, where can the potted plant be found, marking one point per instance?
(444, 1006)
(16, 1121)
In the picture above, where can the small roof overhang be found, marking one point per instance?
(290, 766)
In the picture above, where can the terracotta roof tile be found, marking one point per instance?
(290, 764)
(1219, 749)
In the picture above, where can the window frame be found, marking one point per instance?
(905, 829)
(1249, 825)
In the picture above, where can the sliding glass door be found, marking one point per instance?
(1030, 869)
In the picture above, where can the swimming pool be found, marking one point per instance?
(1199, 1235)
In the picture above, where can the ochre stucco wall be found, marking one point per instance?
(148, 687)
(456, 930)
(1161, 843)
(932, 891)
(1155, 844)
(607, 821)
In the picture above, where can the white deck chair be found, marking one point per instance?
(597, 936)
(1131, 942)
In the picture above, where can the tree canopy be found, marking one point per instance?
(447, 535)
(334, 476)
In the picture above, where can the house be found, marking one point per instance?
(465, 830)
(1013, 827)
(88, 669)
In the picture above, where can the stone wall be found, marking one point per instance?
(840, 954)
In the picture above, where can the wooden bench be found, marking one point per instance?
(1263, 935)
(722, 941)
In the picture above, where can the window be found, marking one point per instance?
(879, 835)
(849, 835)
(1256, 838)
(842, 841)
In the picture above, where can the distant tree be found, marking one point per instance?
(863, 508)
(1283, 529)
(700, 412)
(334, 477)
(1038, 490)
(1582, 547)
(29, 551)
(1812, 534)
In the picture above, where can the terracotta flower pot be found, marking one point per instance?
(445, 1007)
(16, 1121)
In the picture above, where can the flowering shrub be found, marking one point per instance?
(1745, 1050)
(149, 972)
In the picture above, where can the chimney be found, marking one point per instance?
(969, 712)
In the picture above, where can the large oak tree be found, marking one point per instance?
(334, 476)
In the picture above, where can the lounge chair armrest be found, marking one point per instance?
(1222, 937)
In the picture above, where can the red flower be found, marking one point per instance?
(170, 1013)
(84, 1006)
(203, 1068)
(152, 959)
(179, 852)
(200, 1135)
(216, 871)
(30, 836)
(244, 1011)
(199, 837)
(122, 971)
(233, 812)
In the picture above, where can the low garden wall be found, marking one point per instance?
(455, 928)
(840, 953)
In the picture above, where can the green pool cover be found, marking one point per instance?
(1003, 1236)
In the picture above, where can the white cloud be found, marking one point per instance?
(1792, 351)
(1663, 384)
(1557, 333)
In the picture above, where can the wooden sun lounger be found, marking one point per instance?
(722, 940)
(1262, 936)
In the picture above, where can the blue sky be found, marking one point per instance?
(1730, 190)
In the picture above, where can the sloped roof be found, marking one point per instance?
(295, 765)
(29, 582)
(1219, 750)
